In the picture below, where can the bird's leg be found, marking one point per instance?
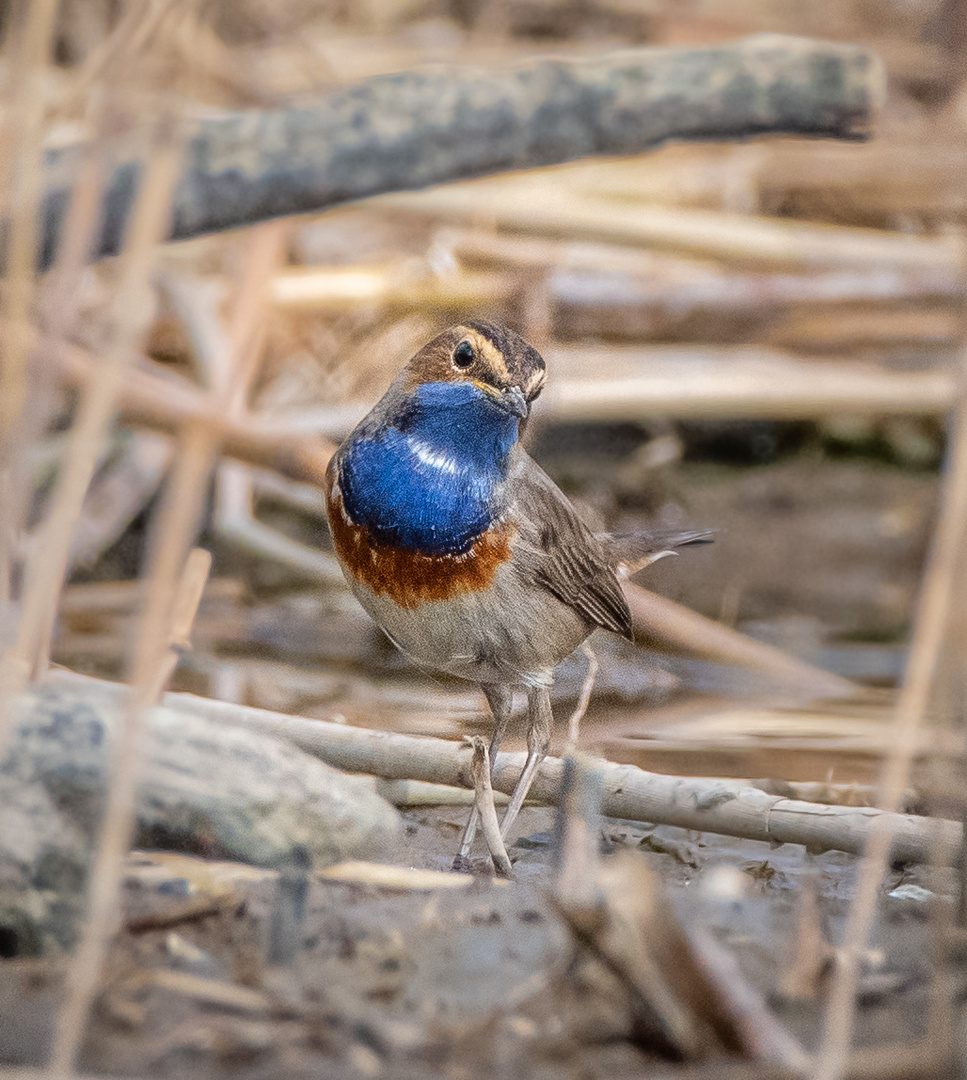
(539, 721)
(500, 698)
(480, 770)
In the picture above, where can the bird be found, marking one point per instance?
(462, 549)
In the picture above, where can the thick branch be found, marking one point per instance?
(414, 129)
(706, 804)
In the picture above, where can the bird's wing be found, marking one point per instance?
(557, 551)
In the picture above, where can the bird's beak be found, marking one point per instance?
(514, 401)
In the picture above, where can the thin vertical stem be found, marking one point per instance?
(47, 564)
(933, 613)
(26, 186)
(178, 520)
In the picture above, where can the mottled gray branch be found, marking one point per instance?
(415, 129)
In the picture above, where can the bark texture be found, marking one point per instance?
(418, 128)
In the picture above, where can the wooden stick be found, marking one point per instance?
(730, 807)
(408, 130)
(763, 1037)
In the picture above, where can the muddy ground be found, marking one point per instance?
(480, 980)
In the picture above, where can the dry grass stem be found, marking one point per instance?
(662, 622)
(167, 404)
(578, 834)
(176, 525)
(335, 289)
(932, 617)
(738, 1007)
(629, 383)
(30, 55)
(265, 252)
(138, 25)
(384, 876)
(574, 720)
(811, 955)
(187, 597)
(633, 931)
(532, 206)
(47, 564)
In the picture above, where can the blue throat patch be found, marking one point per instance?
(427, 479)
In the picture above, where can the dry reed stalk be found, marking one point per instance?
(46, 565)
(534, 207)
(927, 327)
(662, 622)
(166, 404)
(620, 383)
(177, 522)
(30, 53)
(162, 621)
(578, 840)
(138, 25)
(168, 613)
(679, 279)
(932, 618)
(740, 1008)
(910, 167)
(187, 597)
(574, 720)
(337, 289)
(265, 254)
(409, 878)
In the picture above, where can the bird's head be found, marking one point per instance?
(506, 371)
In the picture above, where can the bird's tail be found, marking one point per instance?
(631, 552)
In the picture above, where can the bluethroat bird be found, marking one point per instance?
(460, 547)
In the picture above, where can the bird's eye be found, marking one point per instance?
(463, 355)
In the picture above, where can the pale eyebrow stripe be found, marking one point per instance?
(490, 352)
